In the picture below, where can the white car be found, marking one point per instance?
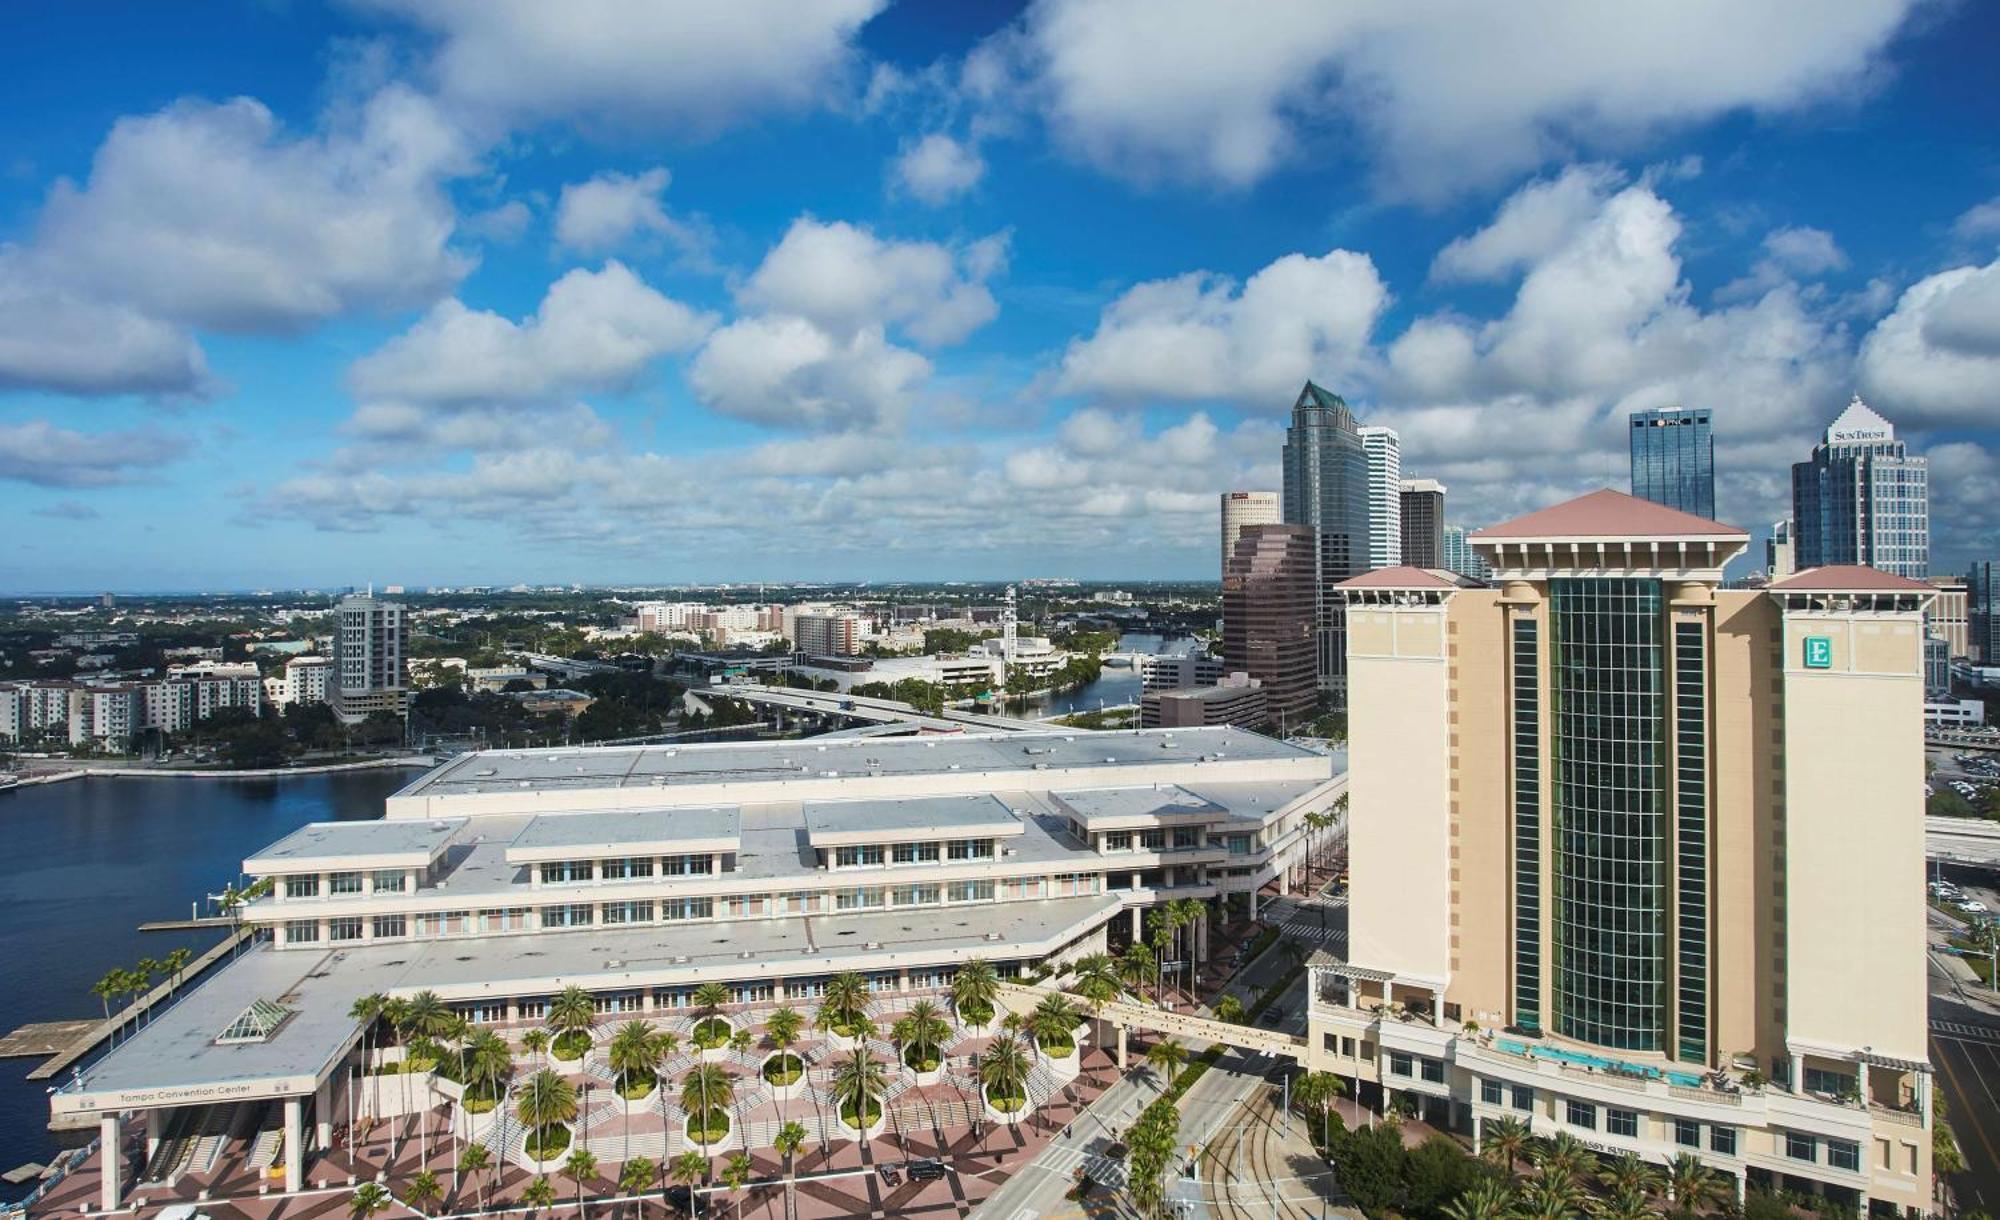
(1973, 906)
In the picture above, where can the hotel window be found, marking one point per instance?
(1524, 1098)
(301, 931)
(628, 869)
(1691, 835)
(390, 927)
(1434, 1070)
(1801, 1147)
(304, 886)
(1328, 1042)
(916, 895)
(914, 853)
(971, 891)
(558, 872)
(343, 883)
(1239, 845)
(1580, 1114)
(1490, 1091)
(848, 857)
(701, 865)
(1722, 1140)
(673, 866)
(859, 899)
(687, 908)
(628, 912)
(1121, 841)
(1837, 1084)
(1622, 1122)
(1844, 1154)
(391, 880)
(1152, 840)
(1186, 837)
(345, 928)
(970, 849)
(1401, 1064)
(1526, 728)
(569, 915)
(1687, 1133)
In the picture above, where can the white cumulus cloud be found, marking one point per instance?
(611, 209)
(938, 169)
(1936, 358)
(844, 279)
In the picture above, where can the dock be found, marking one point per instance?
(199, 923)
(42, 1038)
(95, 1032)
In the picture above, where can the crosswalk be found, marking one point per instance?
(1964, 1032)
(1104, 1170)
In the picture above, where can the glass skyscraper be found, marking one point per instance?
(1673, 459)
(1862, 499)
(1326, 486)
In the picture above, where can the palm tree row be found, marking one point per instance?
(1564, 1172)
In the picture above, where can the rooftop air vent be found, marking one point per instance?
(991, 936)
(871, 944)
(613, 964)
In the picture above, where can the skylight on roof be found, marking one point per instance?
(254, 1024)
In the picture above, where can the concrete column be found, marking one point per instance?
(1253, 903)
(111, 1142)
(1121, 1048)
(295, 1161)
(1861, 1080)
(155, 1124)
(323, 1114)
(1137, 930)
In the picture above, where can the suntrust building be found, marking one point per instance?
(501, 878)
(1640, 858)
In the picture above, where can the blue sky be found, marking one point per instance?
(433, 291)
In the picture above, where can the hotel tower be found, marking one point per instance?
(1640, 858)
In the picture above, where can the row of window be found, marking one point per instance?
(1157, 839)
(625, 868)
(911, 853)
(1619, 1122)
(383, 880)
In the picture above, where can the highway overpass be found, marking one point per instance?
(833, 704)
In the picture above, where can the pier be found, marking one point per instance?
(91, 1033)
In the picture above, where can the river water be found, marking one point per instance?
(1115, 685)
(95, 858)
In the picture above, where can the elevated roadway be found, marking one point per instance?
(1969, 842)
(869, 710)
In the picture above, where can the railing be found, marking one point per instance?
(64, 1165)
(1903, 1117)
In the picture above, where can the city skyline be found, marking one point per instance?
(292, 296)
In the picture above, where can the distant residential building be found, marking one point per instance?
(308, 679)
(1241, 508)
(1459, 556)
(828, 635)
(1269, 617)
(371, 639)
(1423, 523)
(1673, 459)
(1863, 499)
(1385, 496)
(1937, 666)
(1982, 618)
(1238, 700)
(1177, 671)
(1954, 714)
(1780, 555)
(1326, 490)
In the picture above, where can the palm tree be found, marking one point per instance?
(634, 1053)
(1229, 1009)
(580, 1166)
(396, 1011)
(1505, 1140)
(1135, 965)
(1162, 945)
(368, 1199)
(1192, 914)
(1052, 1023)
(974, 991)
(423, 1191)
(488, 1061)
(536, 1043)
(1566, 1154)
(858, 1079)
(634, 1176)
(691, 1167)
(1548, 1199)
(1625, 1204)
(539, 1194)
(783, 1028)
(709, 999)
(545, 1101)
(571, 1015)
(924, 1029)
(475, 1159)
(736, 1175)
(791, 1137)
(1627, 1174)
(1167, 1057)
(368, 1011)
(1485, 1201)
(1097, 982)
(1317, 1091)
(706, 1087)
(1004, 1068)
(1690, 1186)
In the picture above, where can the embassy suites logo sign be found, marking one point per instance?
(1819, 652)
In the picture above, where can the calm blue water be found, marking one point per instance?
(1688, 1080)
(95, 858)
(1114, 686)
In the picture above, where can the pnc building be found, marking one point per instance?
(1640, 858)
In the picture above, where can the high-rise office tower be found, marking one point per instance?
(1459, 556)
(1947, 617)
(371, 639)
(1385, 496)
(1673, 459)
(1780, 555)
(1625, 844)
(1326, 489)
(1863, 499)
(1241, 508)
(1982, 612)
(1269, 616)
(1423, 523)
